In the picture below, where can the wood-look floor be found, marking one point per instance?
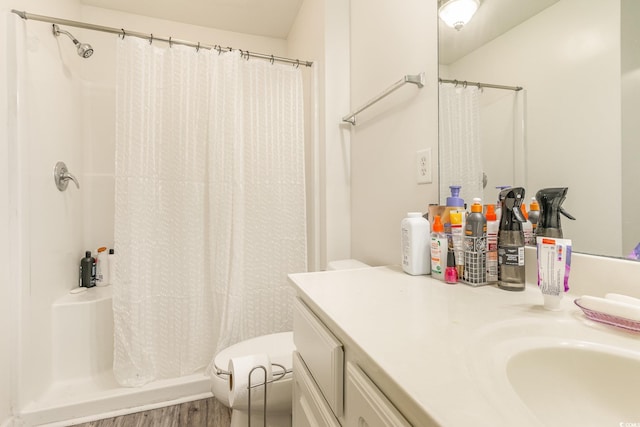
(205, 412)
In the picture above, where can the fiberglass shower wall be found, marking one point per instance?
(49, 128)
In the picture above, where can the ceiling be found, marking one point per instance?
(272, 18)
(493, 18)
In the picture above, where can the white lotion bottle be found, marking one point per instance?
(102, 267)
(416, 242)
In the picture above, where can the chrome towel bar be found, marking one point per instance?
(416, 79)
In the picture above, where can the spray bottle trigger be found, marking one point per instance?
(567, 214)
(517, 212)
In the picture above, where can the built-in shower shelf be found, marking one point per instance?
(91, 295)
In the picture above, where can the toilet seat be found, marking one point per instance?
(280, 349)
(278, 346)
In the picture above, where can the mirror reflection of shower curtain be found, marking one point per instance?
(503, 139)
(460, 153)
(210, 205)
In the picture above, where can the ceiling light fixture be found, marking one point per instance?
(457, 13)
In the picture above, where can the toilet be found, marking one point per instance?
(346, 264)
(280, 349)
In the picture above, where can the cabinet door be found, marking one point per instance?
(365, 405)
(309, 407)
(322, 353)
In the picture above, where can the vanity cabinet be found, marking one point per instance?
(379, 347)
(368, 406)
(329, 387)
(309, 406)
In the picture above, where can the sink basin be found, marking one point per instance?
(557, 371)
(577, 385)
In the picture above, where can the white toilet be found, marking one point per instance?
(280, 349)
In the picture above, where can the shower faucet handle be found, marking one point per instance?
(62, 176)
(67, 176)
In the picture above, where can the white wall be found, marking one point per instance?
(306, 42)
(389, 41)
(6, 312)
(321, 33)
(568, 60)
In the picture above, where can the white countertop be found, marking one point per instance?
(438, 342)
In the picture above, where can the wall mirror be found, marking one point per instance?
(575, 123)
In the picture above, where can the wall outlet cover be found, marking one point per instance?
(423, 166)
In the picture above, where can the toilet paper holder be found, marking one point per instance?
(250, 386)
(276, 377)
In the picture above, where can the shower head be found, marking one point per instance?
(84, 49)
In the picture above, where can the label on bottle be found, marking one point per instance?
(93, 272)
(529, 238)
(492, 257)
(437, 251)
(99, 275)
(406, 248)
(511, 255)
(457, 235)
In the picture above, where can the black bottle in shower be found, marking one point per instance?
(87, 271)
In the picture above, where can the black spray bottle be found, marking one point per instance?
(511, 241)
(550, 200)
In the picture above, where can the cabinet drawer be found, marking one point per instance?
(365, 405)
(322, 354)
(309, 407)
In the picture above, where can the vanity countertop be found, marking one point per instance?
(440, 349)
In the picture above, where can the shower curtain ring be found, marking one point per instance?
(170, 44)
(272, 60)
(151, 39)
(297, 63)
(198, 48)
(123, 33)
(464, 85)
(248, 54)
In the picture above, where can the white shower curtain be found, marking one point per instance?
(209, 205)
(460, 152)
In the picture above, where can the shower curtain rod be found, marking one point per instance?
(122, 32)
(480, 85)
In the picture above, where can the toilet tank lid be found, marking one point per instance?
(346, 264)
(278, 346)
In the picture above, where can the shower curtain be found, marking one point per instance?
(210, 205)
(460, 155)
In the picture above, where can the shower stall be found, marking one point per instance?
(62, 108)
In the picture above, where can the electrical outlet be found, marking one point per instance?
(423, 166)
